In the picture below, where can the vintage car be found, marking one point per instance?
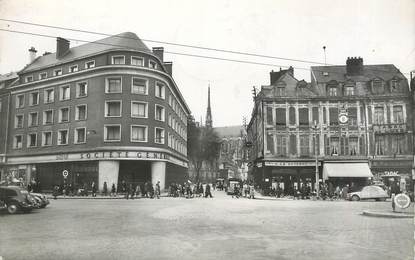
(16, 199)
(368, 192)
(41, 199)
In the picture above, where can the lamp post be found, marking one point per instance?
(317, 186)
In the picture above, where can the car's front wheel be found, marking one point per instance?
(12, 208)
(355, 198)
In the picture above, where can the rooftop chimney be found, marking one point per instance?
(159, 52)
(32, 54)
(169, 67)
(354, 66)
(62, 47)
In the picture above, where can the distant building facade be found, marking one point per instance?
(349, 117)
(105, 111)
(233, 158)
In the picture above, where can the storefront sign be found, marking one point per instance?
(65, 173)
(390, 128)
(291, 164)
(122, 154)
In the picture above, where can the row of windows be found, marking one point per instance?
(377, 87)
(49, 95)
(330, 115)
(116, 60)
(58, 72)
(112, 133)
(176, 144)
(47, 138)
(176, 108)
(81, 113)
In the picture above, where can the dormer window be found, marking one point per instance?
(333, 91)
(394, 85)
(73, 68)
(118, 59)
(349, 91)
(90, 64)
(377, 86)
(43, 75)
(57, 72)
(279, 89)
(29, 78)
(152, 64)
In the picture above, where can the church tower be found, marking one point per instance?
(208, 112)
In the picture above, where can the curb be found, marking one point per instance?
(386, 214)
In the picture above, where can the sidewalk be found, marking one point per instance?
(97, 197)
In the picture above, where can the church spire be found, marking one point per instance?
(208, 112)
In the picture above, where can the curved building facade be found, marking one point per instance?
(106, 111)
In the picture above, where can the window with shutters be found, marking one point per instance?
(293, 144)
(159, 113)
(18, 121)
(379, 116)
(65, 93)
(32, 140)
(33, 119)
(159, 135)
(333, 116)
(270, 144)
(353, 148)
(303, 116)
(281, 145)
(269, 116)
(352, 113)
(48, 117)
(81, 89)
(281, 117)
(18, 142)
(304, 145)
(380, 145)
(34, 98)
(397, 115)
(334, 146)
(315, 115)
(64, 115)
(362, 147)
(49, 95)
(292, 116)
(20, 101)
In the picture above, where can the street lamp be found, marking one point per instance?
(315, 153)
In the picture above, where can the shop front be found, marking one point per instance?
(80, 170)
(342, 173)
(394, 174)
(285, 176)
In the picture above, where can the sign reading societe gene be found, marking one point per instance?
(291, 164)
(124, 154)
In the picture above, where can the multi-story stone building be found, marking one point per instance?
(355, 120)
(233, 157)
(104, 111)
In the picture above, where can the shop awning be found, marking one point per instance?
(359, 170)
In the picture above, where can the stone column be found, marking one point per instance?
(391, 113)
(108, 172)
(297, 115)
(158, 173)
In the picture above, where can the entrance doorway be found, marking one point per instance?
(134, 172)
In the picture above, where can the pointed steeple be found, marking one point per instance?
(208, 112)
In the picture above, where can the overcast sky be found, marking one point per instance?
(379, 31)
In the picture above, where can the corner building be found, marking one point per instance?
(352, 123)
(106, 111)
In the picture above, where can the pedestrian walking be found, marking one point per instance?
(94, 189)
(55, 192)
(207, 192)
(137, 191)
(158, 190)
(113, 191)
(251, 192)
(105, 189)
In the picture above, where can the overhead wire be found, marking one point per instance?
(185, 54)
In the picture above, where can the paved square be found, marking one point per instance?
(218, 228)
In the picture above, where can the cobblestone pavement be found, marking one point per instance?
(218, 228)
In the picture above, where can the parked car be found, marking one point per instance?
(41, 199)
(368, 192)
(16, 199)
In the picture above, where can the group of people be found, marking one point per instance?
(190, 190)
(247, 190)
(131, 191)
